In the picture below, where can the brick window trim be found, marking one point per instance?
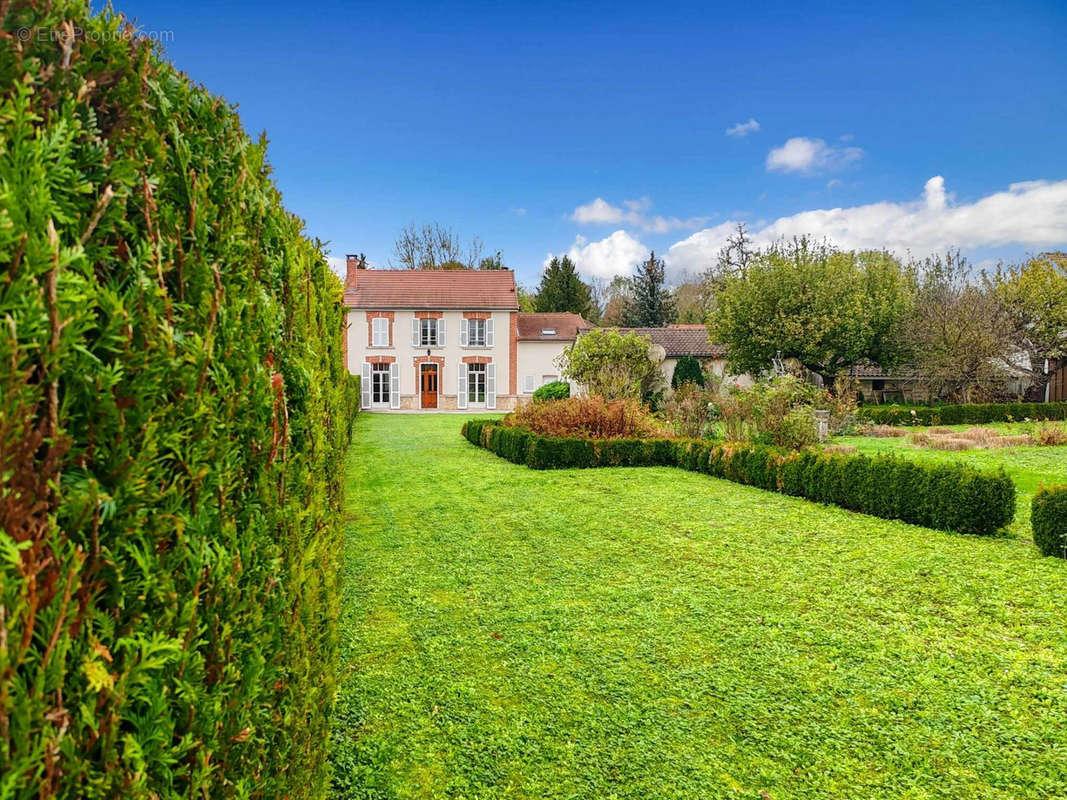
(477, 315)
(429, 314)
(371, 316)
(477, 360)
(381, 359)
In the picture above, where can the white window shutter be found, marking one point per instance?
(415, 332)
(441, 332)
(394, 385)
(461, 390)
(463, 332)
(364, 384)
(490, 385)
(489, 332)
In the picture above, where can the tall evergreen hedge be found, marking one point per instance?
(172, 421)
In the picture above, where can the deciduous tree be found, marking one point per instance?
(612, 364)
(826, 308)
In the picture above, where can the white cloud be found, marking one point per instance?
(742, 129)
(618, 254)
(635, 213)
(834, 183)
(520, 212)
(809, 156)
(1032, 214)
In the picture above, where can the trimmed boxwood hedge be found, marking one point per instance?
(963, 414)
(951, 497)
(174, 412)
(1048, 516)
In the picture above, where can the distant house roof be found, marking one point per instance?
(682, 340)
(551, 327)
(431, 288)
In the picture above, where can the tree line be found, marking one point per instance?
(965, 331)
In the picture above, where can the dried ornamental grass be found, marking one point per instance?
(589, 417)
(883, 431)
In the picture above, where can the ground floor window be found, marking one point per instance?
(476, 383)
(380, 383)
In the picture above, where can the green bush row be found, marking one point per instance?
(945, 496)
(964, 414)
(1048, 516)
(173, 414)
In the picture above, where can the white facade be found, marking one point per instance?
(536, 364)
(406, 342)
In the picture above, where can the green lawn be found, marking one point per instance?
(1029, 467)
(656, 633)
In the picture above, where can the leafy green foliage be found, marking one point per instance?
(961, 414)
(553, 390)
(653, 633)
(824, 307)
(651, 304)
(1035, 296)
(562, 290)
(687, 370)
(612, 365)
(1048, 516)
(172, 412)
(952, 497)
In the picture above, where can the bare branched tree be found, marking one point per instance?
(433, 246)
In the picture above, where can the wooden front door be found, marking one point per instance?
(428, 385)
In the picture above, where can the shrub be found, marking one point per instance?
(554, 390)
(963, 414)
(690, 410)
(687, 370)
(172, 421)
(1048, 517)
(947, 496)
(613, 365)
(590, 417)
(1050, 435)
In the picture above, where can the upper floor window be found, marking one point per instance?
(476, 333)
(428, 332)
(379, 332)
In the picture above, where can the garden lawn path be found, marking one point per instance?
(656, 633)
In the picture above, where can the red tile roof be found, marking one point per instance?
(681, 340)
(532, 327)
(465, 289)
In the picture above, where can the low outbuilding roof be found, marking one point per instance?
(551, 327)
(682, 340)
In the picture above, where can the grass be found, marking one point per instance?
(1029, 466)
(655, 633)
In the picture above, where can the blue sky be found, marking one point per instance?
(600, 129)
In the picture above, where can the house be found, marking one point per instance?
(689, 340)
(447, 339)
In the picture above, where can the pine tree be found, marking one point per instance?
(652, 305)
(562, 290)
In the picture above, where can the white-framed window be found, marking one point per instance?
(476, 332)
(428, 332)
(529, 384)
(549, 379)
(380, 384)
(476, 383)
(379, 332)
